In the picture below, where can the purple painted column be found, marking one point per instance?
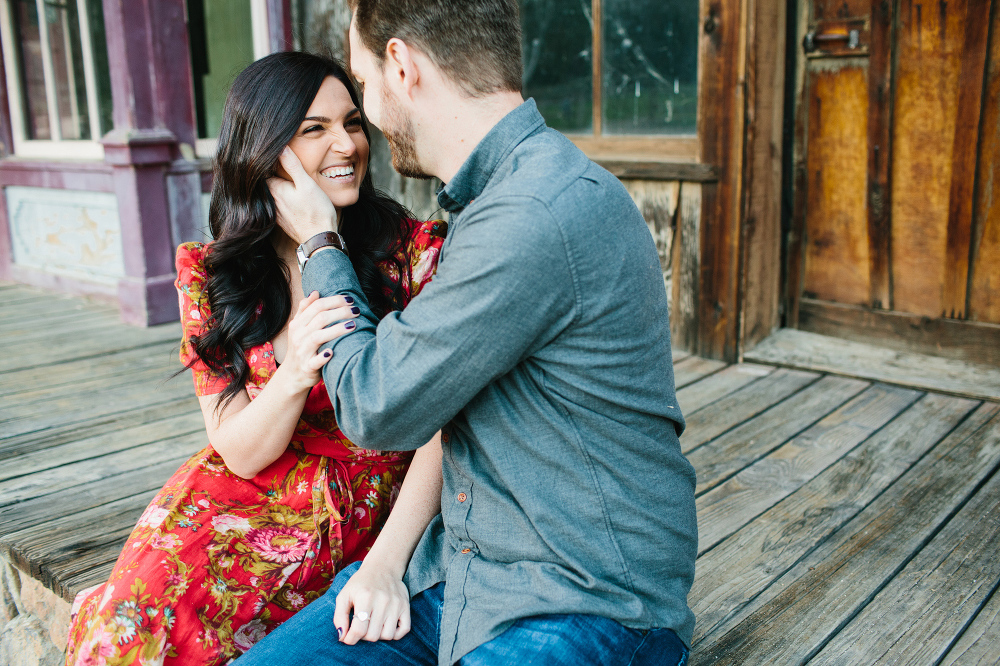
(6, 137)
(279, 24)
(151, 85)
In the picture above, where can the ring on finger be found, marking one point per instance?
(362, 616)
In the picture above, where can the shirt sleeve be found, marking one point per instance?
(191, 278)
(504, 289)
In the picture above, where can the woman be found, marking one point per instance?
(255, 526)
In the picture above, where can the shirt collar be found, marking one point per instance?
(475, 173)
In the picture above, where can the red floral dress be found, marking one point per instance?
(216, 562)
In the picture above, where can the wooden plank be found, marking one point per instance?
(929, 43)
(984, 274)
(915, 618)
(678, 354)
(114, 364)
(135, 459)
(707, 423)
(37, 510)
(964, 158)
(735, 572)
(721, 458)
(706, 391)
(67, 347)
(836, 232)
(738, 569)
(721, 126)
(693, 368)
(977, 646)
(70, 545)
(686, 251)
(660, 170)
(71, 453)
(823, 590)
(800, 349)
(658, 204)
(880, 96)
(64, 433)
(799, 177)
(761, 218)
(950, 338)
(71, 409)
(731, 505)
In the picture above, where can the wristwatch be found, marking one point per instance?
(325, 239)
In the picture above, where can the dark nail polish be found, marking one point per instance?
(355, 310)
(327, 353)
(350, 325)
(340, 632)
(348, 300)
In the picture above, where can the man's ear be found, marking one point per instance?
(401, 70)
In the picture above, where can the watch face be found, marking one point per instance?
(300, 257)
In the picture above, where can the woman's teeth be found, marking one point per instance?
(335, 173)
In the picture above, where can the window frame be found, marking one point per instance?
(57, 147)
(631, 147)
(260, 27)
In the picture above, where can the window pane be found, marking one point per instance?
(63, 25)
(99, 51)
(221, 36)
(650, 66)
(36, 116)
(558, 70)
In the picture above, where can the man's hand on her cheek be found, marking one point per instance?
(304, 210)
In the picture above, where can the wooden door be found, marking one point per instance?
(895, 234)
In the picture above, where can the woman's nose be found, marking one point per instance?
(341, 142)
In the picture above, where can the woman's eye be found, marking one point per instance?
(353, 122)
(314, 128)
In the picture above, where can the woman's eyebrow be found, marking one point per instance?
(317, 119)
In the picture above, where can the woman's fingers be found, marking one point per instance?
(403, 626)
(342, 613)
(319, 306)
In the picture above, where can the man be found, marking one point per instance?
(541, 350)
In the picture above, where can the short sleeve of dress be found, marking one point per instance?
(424, 251)
(190, 284)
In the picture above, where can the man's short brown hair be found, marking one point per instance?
(476, 42)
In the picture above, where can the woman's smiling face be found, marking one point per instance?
(331, 144)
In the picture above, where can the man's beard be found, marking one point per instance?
(398, 130)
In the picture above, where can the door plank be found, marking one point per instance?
(929, 45)
(706, 391)
(879, 133)
(836, 227)
(963, 166)
(709, 422)
(731, 505)
(733, 573)
(984, 296)
(754, 439)
(826, 588)
(915, 618)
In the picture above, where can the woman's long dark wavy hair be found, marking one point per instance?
(247, 284)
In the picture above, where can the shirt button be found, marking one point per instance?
(466, 551)
(462, 497)
(445, 437)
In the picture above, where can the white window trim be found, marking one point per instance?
(52, 149)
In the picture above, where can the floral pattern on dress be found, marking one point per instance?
(216, 562)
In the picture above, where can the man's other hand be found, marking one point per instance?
(304, 210)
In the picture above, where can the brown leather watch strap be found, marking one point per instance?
(325, 239)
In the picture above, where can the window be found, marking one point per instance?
(619, 77)
(225, 36)
(58, 82)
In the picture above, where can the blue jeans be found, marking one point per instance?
(553, 640)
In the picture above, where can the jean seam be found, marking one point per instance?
(637, 648)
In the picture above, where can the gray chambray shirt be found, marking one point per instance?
(541, 349)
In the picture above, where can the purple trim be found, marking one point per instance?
(86, 176)
(148, 302)
(6, 245)
(6, 132)
(279, 22)
(33, 276)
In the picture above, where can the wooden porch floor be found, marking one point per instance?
(842, 521)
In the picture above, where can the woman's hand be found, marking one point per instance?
(304, 210)
(378, 592)
(308, 331)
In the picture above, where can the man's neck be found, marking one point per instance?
(446, 140)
